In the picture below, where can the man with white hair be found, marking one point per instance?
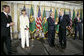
(51, 29)
(64, 21)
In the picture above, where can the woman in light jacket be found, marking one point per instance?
(24, 29)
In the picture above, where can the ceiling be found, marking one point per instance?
(76, 2)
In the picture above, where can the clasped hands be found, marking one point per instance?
(11, 24)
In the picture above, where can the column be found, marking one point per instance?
(15, 17)
(35, 10)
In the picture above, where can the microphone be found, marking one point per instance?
(27, 26)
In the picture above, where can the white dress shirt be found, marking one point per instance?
(78, 19)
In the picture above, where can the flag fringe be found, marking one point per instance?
(32, 31)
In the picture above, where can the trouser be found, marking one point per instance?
(7, 41)
(51, 37)
(24, 38)
(78, 29)
(62, 37)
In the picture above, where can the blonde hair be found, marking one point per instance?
(51, 13)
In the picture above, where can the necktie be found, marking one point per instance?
(61, 18)
(53, 19)
(7, 15)
(78, 19)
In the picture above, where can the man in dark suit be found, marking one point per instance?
(78, 26)
(64, 21)
(6, 22)
(51, 29)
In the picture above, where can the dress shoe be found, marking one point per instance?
(63, 47)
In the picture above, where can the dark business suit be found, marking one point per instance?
(5, 32)
(78, 28)
(63, 22)
(51, 31)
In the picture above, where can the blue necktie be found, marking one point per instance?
(61, 18)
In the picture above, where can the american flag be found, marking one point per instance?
(70, 18)
(39, 21)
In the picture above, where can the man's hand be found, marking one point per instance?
(67, 27)
(12, 23)
(79, 20)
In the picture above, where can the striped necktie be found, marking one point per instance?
(7, 15)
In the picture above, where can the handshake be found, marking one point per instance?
(56, 23)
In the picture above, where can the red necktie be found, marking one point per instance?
(53, 19)
(7, 15)
(78, 18)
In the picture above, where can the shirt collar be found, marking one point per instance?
(77, 17)
(51, 16)
(5, 13)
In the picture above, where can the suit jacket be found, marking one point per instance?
(78, 24)
(65, 21)
(51, 24)
(24, 21)
(5, 31)
(76, 21)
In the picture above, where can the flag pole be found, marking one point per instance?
(39, 29)
(24, 3)
(32, 36)
(31, 3)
